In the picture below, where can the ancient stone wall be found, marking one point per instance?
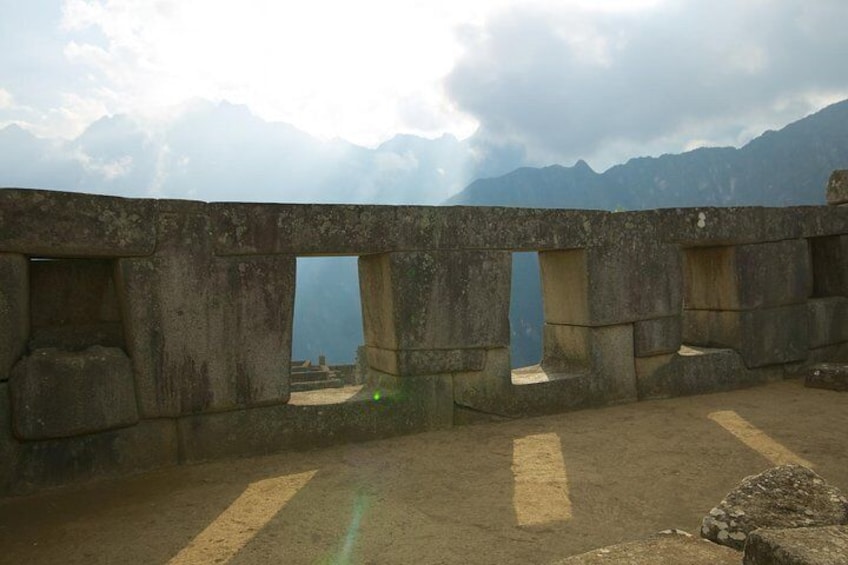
(140, 333)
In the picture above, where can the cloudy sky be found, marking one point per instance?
(596, 79)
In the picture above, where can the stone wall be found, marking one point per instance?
(139, 333)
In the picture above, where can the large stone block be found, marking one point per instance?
(635, 280)
(828, 321)
(658, 336)
(605, 352)
(837, 188)
(763, 337)
(61, 394)
(206, 332)
(825, 545)
(744, 277)
(696, 370)
(14, 310)
(424, 362)
(384, 408)
(146, 446)
(436, 300)
(9, 446)
(531, 391)
(829, 258)
(64, 224)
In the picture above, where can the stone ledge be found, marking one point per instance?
(826, 545)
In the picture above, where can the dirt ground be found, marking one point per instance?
(522, 491)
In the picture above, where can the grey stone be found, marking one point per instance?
(788, 496)
(424, 362)
(605, 352)
(206, 332)
(695, 370)
(744, 277)
(439, 300)
(60, 394)
(9, 446)
(635, 279)
(658, 336)
(63, 224)
(14, 310)
(837, 187)
(388, 407)
(146, 446)
(829, 259)
(672, 547)
(828, 321)
(763, 337)
(826, 545)
(831, 376)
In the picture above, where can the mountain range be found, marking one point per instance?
(223, 152)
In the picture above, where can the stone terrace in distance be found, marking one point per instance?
(136, 334)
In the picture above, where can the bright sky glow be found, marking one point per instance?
(363, 71)
(602, 80)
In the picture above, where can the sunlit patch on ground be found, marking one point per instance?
(242, 520)
(541, 483)
(756, 439)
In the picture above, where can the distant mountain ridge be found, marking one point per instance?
(778, 168)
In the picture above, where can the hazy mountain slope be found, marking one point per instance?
(780, 168)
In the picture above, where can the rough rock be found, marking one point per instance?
(832, 376)
(827, 545)
(57, 394)
(788, 496)
(669, 547)
(837, 188)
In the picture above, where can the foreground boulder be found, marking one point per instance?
(827, 545)
(789, 496)
(669, 547)
(832, 376)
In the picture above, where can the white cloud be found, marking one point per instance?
(6, 99)
(569, 82)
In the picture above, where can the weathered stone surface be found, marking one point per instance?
(64, 224)
(655, 337)
(829, 259)
(386, 408)
(14, 310)
(827, 545)
(424, 362)
(534, 390)
(695, 370)
(206, 333)
(831, 376)
(763, 337)
(671, 547)
(828, 321)
(788, 496)
(837, 188)
(243, 229)
(744, 277)
(9, 446)
(61, 394)
(146, 446)
(436, 300)
(605, 352)
(633, 280)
